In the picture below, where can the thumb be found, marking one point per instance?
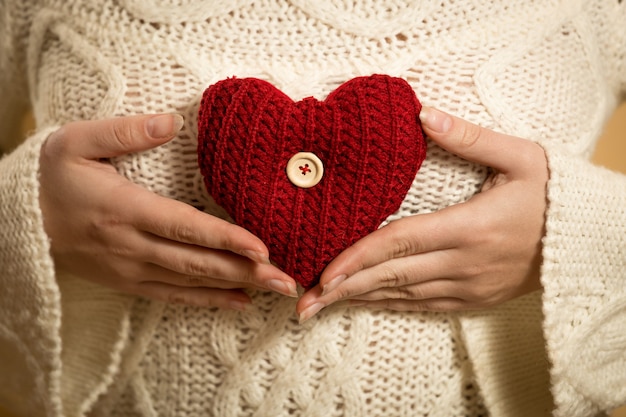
(472, 142)
(114, 137)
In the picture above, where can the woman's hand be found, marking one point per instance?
(472, 255)
(106, 229)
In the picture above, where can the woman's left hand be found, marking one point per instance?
(471, 255)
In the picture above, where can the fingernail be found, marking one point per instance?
(239, 305)
(164, 125)
(309, 312)
(435, 120)
(256, 256)
(283, 288)
(333, 283)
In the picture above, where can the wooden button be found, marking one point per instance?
(305, 170)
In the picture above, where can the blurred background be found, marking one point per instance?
(611, 150)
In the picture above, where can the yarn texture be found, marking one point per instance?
(546, 70)
(367, 134)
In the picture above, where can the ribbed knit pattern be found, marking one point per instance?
(548, 70)
(30, 307)
(367, 134)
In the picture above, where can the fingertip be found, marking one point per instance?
(236, 300)
(352, 260)
(106, 138)
(468, 140)
(164, 126)
(286, 288)
(333, 283)
(435, 121)
(238, 304)
(308, 298)
(309, 312)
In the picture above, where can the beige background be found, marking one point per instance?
(611, 153)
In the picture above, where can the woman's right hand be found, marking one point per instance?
(109, 230)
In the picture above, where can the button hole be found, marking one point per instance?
(305, 169)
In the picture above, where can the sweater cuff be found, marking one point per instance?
(506, 347)
(584, 280)
(30, 305)
(61, 337)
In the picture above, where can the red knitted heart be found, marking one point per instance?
(367, 135)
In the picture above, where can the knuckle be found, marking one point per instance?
(122, 251)
(124, 133)
(189, 264)
(403, 247)
(404, 240)
(390, 277)
(470, 135)
(406, 293)
(192, 267)
(472, 270)
(183, 233)
(180, 226)
(341, 293)
(244, 273)
(195, 281)
(249, 275)
(225, 231)
(104, 230)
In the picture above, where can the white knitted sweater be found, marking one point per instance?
(547, 70)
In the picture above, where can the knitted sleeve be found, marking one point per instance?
(584, 279)
(29, 300)
(56, 356)
(61, 337)
(584, 270)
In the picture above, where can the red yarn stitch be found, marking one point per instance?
(367, 133)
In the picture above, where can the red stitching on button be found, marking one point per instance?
(304, 169)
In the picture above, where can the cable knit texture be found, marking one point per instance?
(548, 70)
(369, 142)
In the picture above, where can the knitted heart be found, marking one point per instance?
(366, 134)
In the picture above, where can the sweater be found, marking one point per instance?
(551, 71)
